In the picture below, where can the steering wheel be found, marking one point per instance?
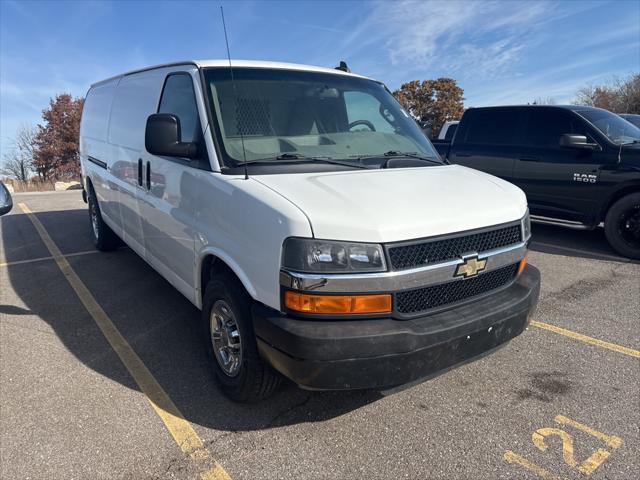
(366, 123)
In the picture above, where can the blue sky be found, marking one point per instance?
(500, 52)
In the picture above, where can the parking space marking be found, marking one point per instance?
(511, 457)
(181, 430)
(41, 259)
(586, 467)
(584, 338)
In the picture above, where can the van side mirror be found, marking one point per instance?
(570, 140)
(162, 137)
(6, 204)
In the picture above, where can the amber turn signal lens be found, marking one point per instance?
(337, 304)
(523, 263)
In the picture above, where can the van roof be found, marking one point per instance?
(236, 64)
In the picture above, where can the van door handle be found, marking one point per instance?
(140, 172)
(148, 175)
(463, 154)
(529, 158)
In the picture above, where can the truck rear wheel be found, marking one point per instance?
(622, 226)
(103, 237)
(231, 344)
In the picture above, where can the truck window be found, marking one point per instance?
(545, 127)
(451, 131)
(178, 98)
(493, 127)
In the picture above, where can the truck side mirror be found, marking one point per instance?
(6, 204)
(570, 140)
(162, 137)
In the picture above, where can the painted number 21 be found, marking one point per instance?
(587, 467)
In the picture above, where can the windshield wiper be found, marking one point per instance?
(631, 142)
(296, 157)
(395, 154)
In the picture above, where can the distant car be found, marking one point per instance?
(578, 166)
(631, 118)
(6, 204)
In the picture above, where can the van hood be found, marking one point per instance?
(389, 205)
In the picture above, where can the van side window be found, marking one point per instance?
(545, 127)
(179, 99)
(493, 127)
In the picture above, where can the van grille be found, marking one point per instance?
(451, 248)
(421, 299)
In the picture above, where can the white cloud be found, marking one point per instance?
(447, 35)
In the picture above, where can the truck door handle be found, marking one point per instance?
(140, 172)
(148, 175)
(463, 154)
(529, 158)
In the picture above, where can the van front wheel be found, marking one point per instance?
(231, 344)
(103, 237)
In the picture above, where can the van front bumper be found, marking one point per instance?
(385, 352)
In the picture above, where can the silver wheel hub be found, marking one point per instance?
(94, 219)
(225, 338)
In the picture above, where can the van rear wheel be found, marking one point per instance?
(103, 237)
(622, 226)
(231, 344)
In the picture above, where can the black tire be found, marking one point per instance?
(253, 380)
(622, 226)
(103, 237)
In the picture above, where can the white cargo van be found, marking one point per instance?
(309, 218)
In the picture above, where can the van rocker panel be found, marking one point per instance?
(383, 352)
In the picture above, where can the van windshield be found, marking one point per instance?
(285, 115)
(618, 130)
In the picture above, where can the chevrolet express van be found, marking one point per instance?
(309, 218)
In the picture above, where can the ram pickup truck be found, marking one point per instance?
(579, 166)
(302, 210)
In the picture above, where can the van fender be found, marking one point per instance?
(221, 255)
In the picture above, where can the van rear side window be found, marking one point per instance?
(493, 127)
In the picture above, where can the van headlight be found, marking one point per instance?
(322, 256)
(526, 226)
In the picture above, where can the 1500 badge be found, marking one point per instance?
(585, 177)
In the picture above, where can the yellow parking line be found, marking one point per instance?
(40, 259)
(181, 430)
(514, 458)
(584, 338)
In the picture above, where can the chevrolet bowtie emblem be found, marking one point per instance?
(470, 267)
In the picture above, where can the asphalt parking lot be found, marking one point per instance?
(562, 401)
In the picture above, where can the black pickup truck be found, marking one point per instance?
(579, 166)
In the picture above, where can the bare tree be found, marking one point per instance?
(18, 163)
(619, 95)
(13, 167)
(543, 101)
